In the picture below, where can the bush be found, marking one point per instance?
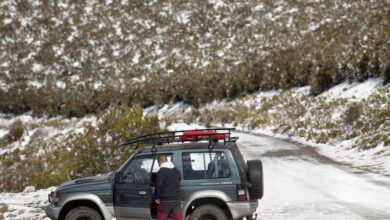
(352, 113)
(321, 80)
(386, 74)
(3, 208)
(97, 150)
(15, 133)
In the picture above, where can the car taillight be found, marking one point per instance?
(241, 194)
(57, 197)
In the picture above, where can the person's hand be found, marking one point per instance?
(158, 201)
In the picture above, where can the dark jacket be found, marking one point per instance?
(168, 184)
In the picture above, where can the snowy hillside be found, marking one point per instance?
(84, 55)
(349, 122)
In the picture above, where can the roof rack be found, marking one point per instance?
(212, 135)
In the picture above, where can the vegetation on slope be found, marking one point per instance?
(349, 123)
(78, 57)
(46, 162)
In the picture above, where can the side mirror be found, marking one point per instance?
(129, 178)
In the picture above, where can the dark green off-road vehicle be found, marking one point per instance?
(216, 183)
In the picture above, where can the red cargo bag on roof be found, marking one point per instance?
(201, 135)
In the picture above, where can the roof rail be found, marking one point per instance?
(211, 134)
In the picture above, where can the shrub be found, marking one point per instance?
(3, 208)
(15, 133)
(352, 113)
(386, 74)
(321, 79)
(97, 150)
(103, 143)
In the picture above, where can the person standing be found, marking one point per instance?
(168, 190)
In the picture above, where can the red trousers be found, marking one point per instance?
(161, 215)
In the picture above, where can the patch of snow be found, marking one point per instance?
(168, 110)
(22, 206)
(338, 113)
(3, 85)
(97, 85)
(29, 189)
(259, 7)
(355, 91)
(74, 78)
(37, 67)
(61, 84)
(184, 126)
(139, 80)
(35, 84)
(7, 21)
(3, 132)
(183, 18)
(136, 57)
(217, 3)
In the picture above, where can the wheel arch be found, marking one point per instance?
(78, 203)
(84, 199)
(218, 198)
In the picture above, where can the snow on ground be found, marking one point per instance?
(168, 110)
(375, 159)
(43, 127)
(355, 91)
(23, 206)
(184, 126)
(303, 186)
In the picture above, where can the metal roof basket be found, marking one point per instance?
(212, 135)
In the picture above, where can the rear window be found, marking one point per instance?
(240, 161)
(205, 165)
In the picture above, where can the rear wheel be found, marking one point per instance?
(83, 213)
(208, 212)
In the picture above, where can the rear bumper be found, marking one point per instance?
(242, 209)
(52, 211)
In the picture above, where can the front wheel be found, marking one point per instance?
(208, 212)
(83, 213)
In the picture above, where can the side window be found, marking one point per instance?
(138, 171)
(205, 165)
(156, 167)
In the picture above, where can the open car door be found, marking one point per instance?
(132, 189)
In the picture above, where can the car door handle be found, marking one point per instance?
(142, 192)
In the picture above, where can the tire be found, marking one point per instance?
(208, 212)
(255, 177)
(83, 212)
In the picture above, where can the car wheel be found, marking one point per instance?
(84, 213)
(255, 177)
(208, 212)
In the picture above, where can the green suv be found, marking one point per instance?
(216, 182)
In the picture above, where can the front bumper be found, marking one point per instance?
(52, 211)
(242, 209)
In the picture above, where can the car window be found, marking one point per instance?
(138, 171)
(239, 159)
(205, 165)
